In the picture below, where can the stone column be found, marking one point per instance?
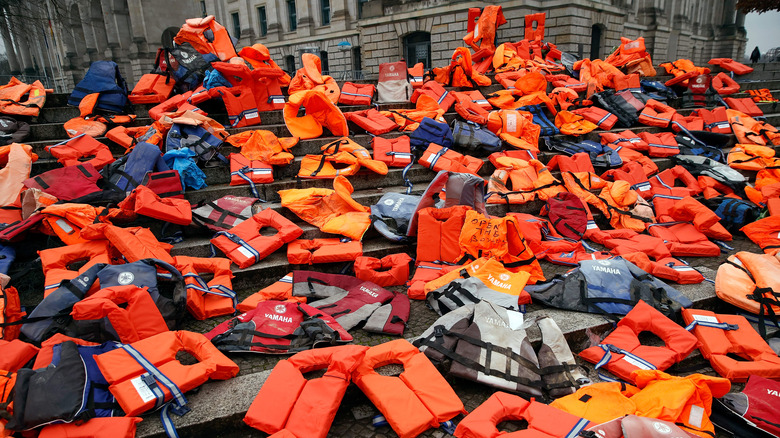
(339, 15)
(10, 50)
(305, 19)
(272, 13)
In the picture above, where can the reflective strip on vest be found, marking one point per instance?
(642, 187)
(720, 125)
(178, 403)
(275, 99)
(575, 431)
(604, 119)
(717, 325)
(628, 356)
(357, 94)
(443, 96)
(663, 146)
(436, 157)
(219, 290)
(241, 242)
(246, 114)
(241, 173)
(658, 178)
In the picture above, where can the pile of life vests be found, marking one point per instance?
(623, 186)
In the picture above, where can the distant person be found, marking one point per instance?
(755, 56)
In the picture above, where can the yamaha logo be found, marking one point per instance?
(503, 277)
(699, 80)
(603, 262)
(280, 308)
(125, 278)
(389, 202)
(392, 68)
(662, 428)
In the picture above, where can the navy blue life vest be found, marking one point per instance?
(430, 131)
(103, 77)
(195, 138)
(7, 256)
(541, 119)
(128, 172)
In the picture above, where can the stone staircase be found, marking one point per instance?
(219, 406)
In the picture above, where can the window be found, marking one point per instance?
(203, 8)
(360, 7)
(289, 63)
(293, 15)
(325, 11)
(324, 62)
(236, 25)
(417, 46)
(262, 21)
(596, 40)
(357, 62)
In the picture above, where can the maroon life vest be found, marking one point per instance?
(568, 215)
(166, 184)
(226, 212)
(67, 183)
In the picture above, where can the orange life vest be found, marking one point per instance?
(434, 90)
(280, 290)
(529, 180)
(152, 88)
(669, 177)
(751, 157)
(482, 27)
(729, 64)
(357, 94)
(603, 118)
(471, 110)
(67, 220)
(206, 300)
(327, 250)
(438, 158)
(416, 74)
(332, 211)
(137, 319)
(122, 369)
(372, 121)
(423, 273)
(621, 352)
(15, 165)
(599, 402)
(750, 281)
(409, 119)
(633, 173)
(516, 128)
(751, 131)
(573, 124)
(320, 112)
(566, 81)
(543, 421)
(661, 115)
(724, 85)
(441, 228)
(207, 36)
(390, 270)
(240, 104)
(264, 146)
(142, 200)
(175, 103)
(245, 246)
(761, 95)
(715, 120)
(258, 56)
(70, 152)
(57, 261)
(395, 152)
(460, 72)
(310, 77)
(10, 310)
(342, 152)
(12, 93)
(105, 427)
(723, 335)
(245, 171)
(134, 243)
(290, 404)
(764, 233)
(745, 105)
(416, 400)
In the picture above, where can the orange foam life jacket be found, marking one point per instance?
(390, 270)
(320, 112)
(339, 152)
(434, 90)
(207, 36)
(10, 310)
(258, 56)
(288, 403)
(751, 131)
(142, 200)
(633, 173)
(70, 152)
(621, 352)
(751, 157)
(658, 114)
(245, 246)
(599, 402)
(15, 165)
(134, 243)
(357, 94)
(152, 88)
(516, 128)
(240, 104)
(395, 152)
(416, 400)
(263, 81)
(529, 180)
(460, 72)
(715, 120)
(310, 77)
(764, 233)
(245, 171)
(332, 211)
(100, 427)
(573, 124)
(372, 121)
(327, 250)
(482, 27)
(669, 177)
(12, 93)
(206, 300)
(745, 105)
(761, 95)
(175, 103)
(67, 220)
(471, 110)
(441, 228)
(543, 421)
(662, 144)
(724, 85)
(157, 355)
(439, 158)
(264, 146)
(721, 336)
(416, 74)
(750, 281)
(729, 64)
(280, 290)
(409, 119)
(57, 261)
(603, 118)
(137, 319)
(504, 243)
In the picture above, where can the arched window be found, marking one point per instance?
(324, 62)
(289, 64)
(596, 40)
(417, 47)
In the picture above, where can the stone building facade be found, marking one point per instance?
(352, 37)
(358, 35)
(59, 39)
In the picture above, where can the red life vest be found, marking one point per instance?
(634, 174)
(669, 177)
(416, 400)
(684, 240)
(240, 103)
(729, 64)
(245, 171)
(70, 152)
(579, 162)
(206, 300)
(715, 120)
(10, 310)
(621, 352)
(372, 121)
(356, 94)
(658, 114)
(724, 85)
(137, 319)
(395, 152)
(152, 88)
(100, 427)
(391, 270)
(543, 421)
(745, 105)
(662, 144)
(721, 336)
(157, 355)
(328, 250)
(437, 92)
(601, 117)
(142, 200)
(289, 402)
(472, 108)
(424, 273)
(625, 139)
(244, 244)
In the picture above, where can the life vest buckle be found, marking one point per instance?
(438, 331)
(149, 380)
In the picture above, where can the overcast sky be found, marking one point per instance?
(763, 30)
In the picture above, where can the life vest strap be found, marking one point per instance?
(609, 349)
(241, 173)
(202, 287)
(235, 239)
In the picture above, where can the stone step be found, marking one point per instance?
(55, 132)
(222, 405)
